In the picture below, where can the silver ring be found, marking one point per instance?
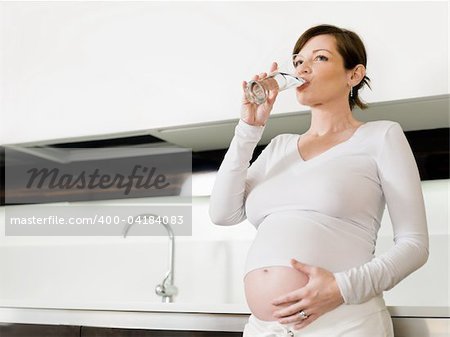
(303, 314)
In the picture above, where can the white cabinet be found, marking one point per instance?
(71, 70)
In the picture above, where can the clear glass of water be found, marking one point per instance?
(258, 91)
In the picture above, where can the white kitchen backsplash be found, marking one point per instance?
(209, 265)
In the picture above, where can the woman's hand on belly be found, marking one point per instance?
(262, 285)
(320, 295)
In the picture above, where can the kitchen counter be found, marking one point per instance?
(164, 316)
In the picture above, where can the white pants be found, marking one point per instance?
(369, 319)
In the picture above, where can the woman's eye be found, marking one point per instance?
(323, 58)
(318, 57)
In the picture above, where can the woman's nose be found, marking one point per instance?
(303, 68)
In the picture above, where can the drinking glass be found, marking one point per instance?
(258, 91)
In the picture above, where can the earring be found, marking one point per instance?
(351, 92)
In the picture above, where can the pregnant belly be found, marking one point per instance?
(263, 285)
(313, 239)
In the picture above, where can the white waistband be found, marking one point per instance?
(342, 315)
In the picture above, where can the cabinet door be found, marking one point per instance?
(38, 330)
(112, 332)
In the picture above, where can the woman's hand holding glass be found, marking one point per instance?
(255, 114)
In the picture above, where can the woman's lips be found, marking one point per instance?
(303, 86)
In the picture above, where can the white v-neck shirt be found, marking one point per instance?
(326, 211)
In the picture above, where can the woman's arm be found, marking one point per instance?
(227, 201)
(234, 176)
(401, 186)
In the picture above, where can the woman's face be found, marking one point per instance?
(322, 66)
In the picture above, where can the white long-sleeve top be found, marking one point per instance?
(326, 211)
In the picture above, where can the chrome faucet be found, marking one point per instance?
(167, 290)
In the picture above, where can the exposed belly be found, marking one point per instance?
(311, 238)
(263, 285)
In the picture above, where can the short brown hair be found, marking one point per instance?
(349, 46)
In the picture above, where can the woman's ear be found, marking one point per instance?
(357, 75)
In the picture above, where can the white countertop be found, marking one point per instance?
(213, 308)
(167, 316)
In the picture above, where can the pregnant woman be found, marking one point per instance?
(317, 200)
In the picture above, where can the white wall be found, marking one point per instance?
(72, 69)
(209, 265)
